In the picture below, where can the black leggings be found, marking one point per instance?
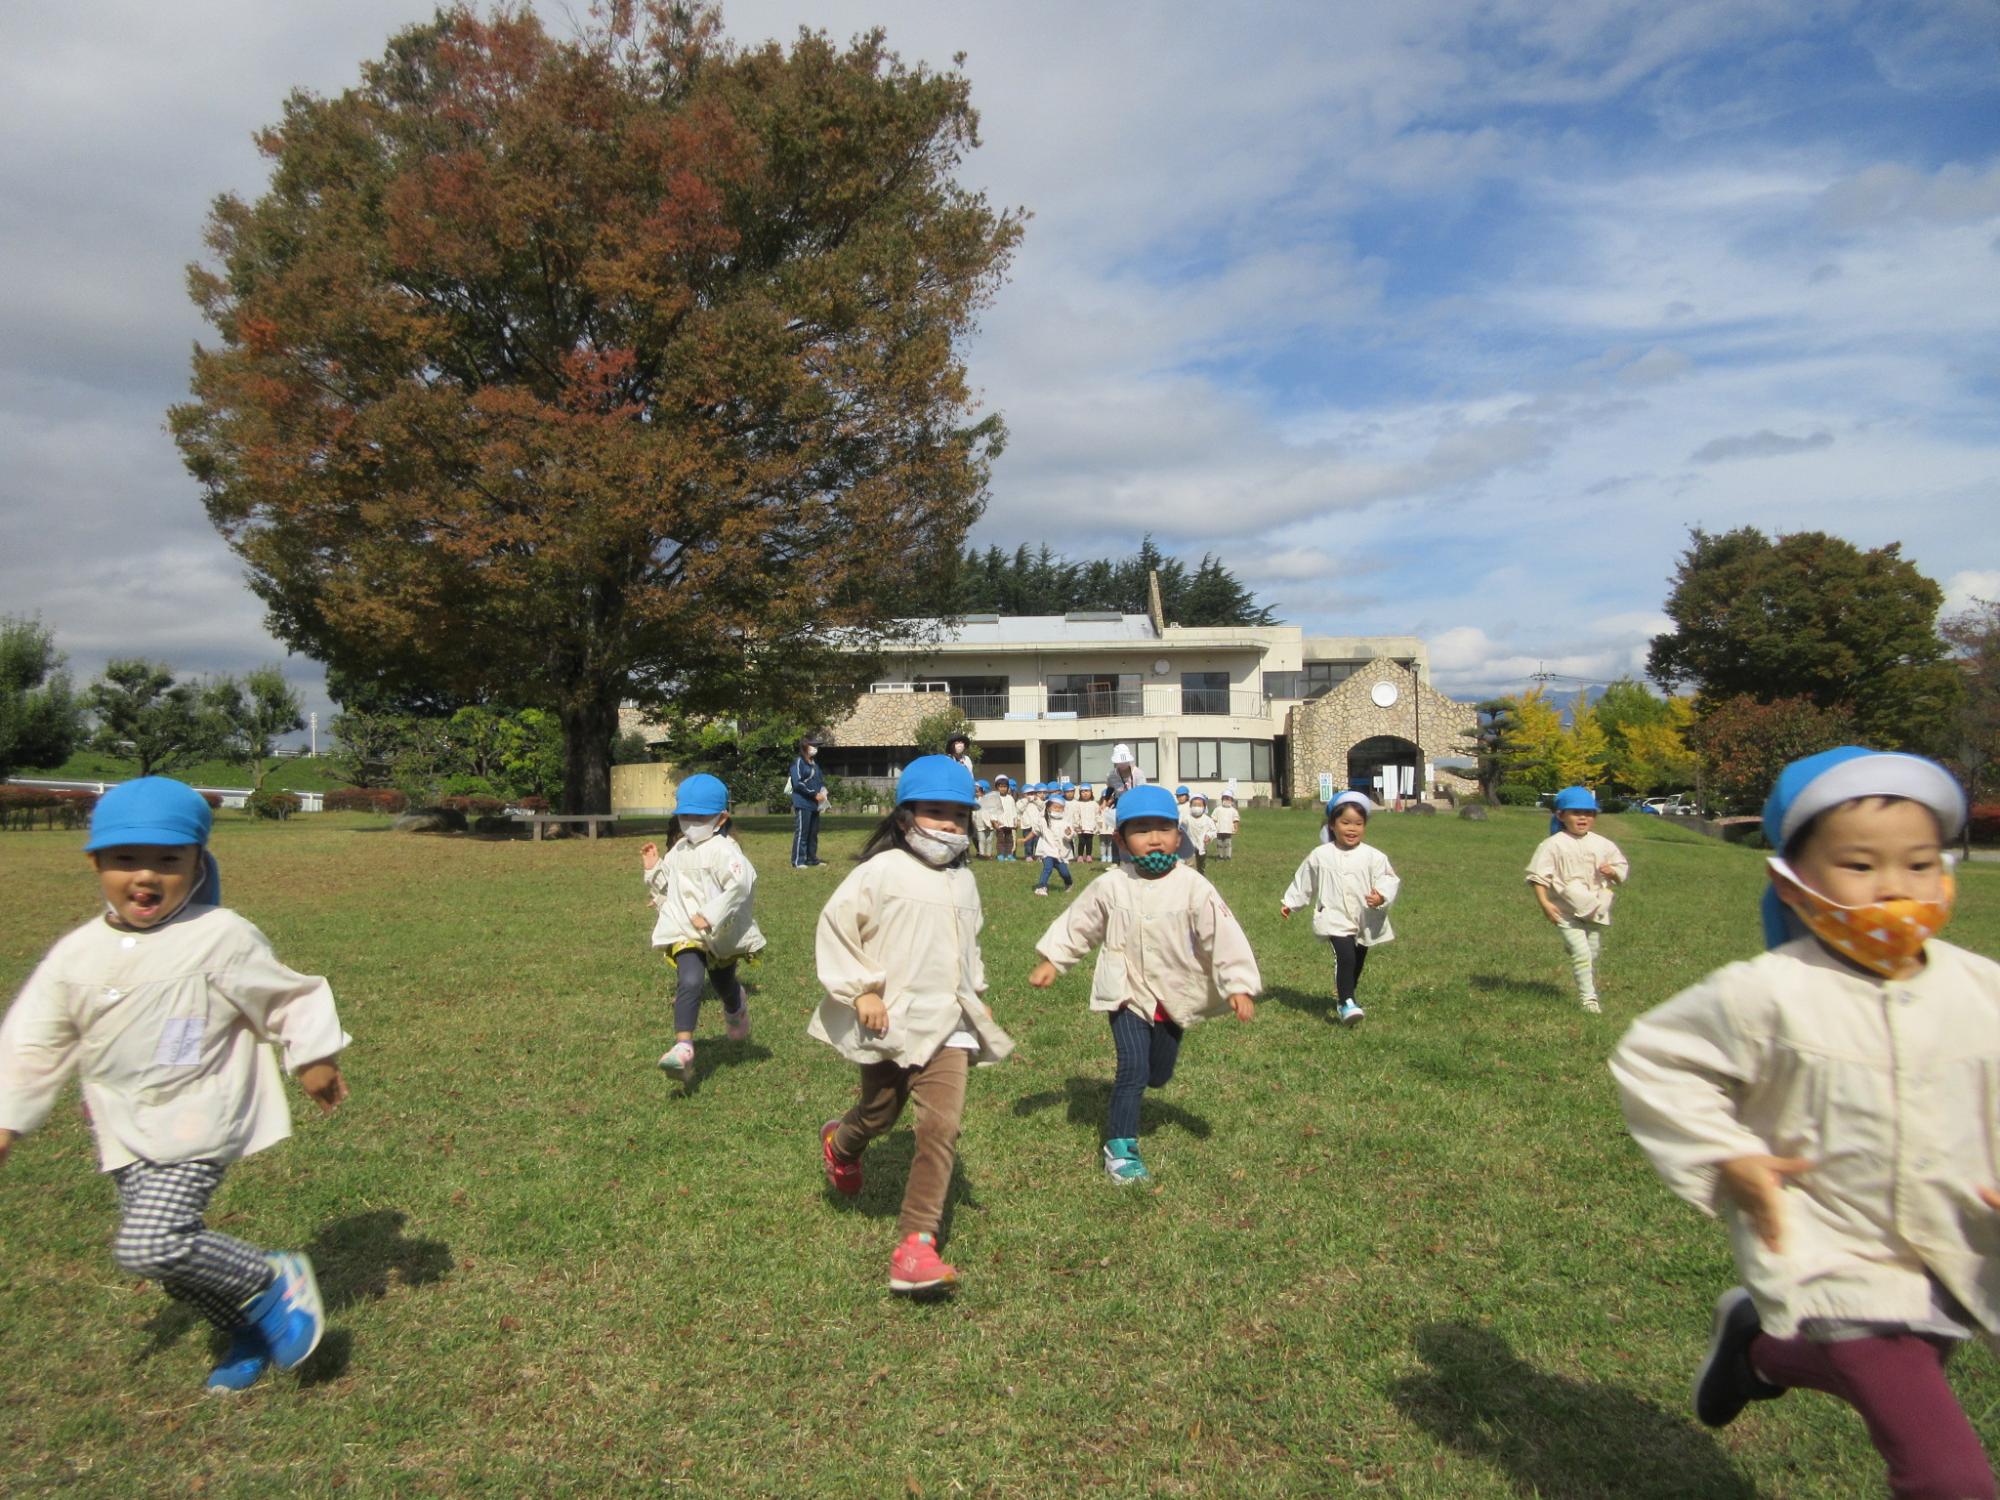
(691, 975)
(1349, 955)
(1147, 1052)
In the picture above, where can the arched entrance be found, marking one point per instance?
(1386, 767)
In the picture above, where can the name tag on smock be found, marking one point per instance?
(180, 1043)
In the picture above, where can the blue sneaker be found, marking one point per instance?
(288, 1313)
(244, 1364)
(1350, 1013)
(1121, 1162)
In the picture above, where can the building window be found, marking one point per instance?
(1224, 760)
(1094, 695)
(1281, 684)
(1090, 761)
(877, 761)
(979, 697)
(1204, 692)
(1322, 677)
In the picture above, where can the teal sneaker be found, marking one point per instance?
(1121, 1162)
(288, 1313)
(245, 1363)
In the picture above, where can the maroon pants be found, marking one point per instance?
(1898, 1386)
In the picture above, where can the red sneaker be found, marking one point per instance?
(845, 1175)
(915, 1267)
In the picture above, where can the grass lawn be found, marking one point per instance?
(1419, 1258)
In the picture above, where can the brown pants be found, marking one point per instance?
(939, 1089)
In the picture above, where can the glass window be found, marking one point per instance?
(1281, 684)
(1220, 760)
(1094, 695)
(864, 760)
(1204, 692)
(1200, 760)
(979, 697)
(1093, 759)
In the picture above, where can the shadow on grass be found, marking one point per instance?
(710, 1057)
(353, 1258)
(886, 1168)
(1495, 984)
(1089, 1101)
(1325, 1007)
(1553, 1435)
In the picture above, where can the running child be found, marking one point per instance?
(164, 1002)
(1227, 820)
(1200, 829)
(1350, 885)
(1006, 815)
(898, 954)
(1833, 1101)
(1171, 953)
(703, 889)
(983, 810)
(1054, 846)
(1031, 817)
(1574, 875)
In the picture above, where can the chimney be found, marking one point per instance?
(1153, 609)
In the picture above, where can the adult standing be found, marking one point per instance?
(808, 800)
(959, 748)
(1124, 776)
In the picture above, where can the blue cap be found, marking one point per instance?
(935, 778)
(1808, 787)
(701, 796)
(1572, 799)
(983, 784)
(1147, 801)
(151, 810)
(1180, 791)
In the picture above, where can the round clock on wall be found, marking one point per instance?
(1162, 667)
(1384, 694)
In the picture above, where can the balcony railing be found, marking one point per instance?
(1223, 701)
(981, 705)
(1098, 703)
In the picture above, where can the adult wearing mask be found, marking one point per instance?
(1124, 776)
(808, 783)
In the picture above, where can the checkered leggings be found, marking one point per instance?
(161, 1238)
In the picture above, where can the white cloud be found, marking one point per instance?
(1965, 589)
(1765, 444)
(1889, 192)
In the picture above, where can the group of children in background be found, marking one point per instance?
(1832, 1100)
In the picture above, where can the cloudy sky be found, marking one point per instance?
(1438, 317)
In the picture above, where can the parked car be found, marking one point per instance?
(1679, 805)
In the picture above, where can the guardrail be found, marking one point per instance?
(232, 796)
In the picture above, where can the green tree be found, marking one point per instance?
(620, 367)
(752, 757)
(1489, 739)
(144, 714)
(934, 732)
(1582, 750)
(1744, 744)
(250, 716)
(1810, 616)
(40, 719)
(1531, 744)
(1043, 583)
(1974, 637)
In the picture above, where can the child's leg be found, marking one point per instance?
(1225, 846)
(690, 978)
(1582, 959)
(885, 1088)
(1062, 870)
(1166, 1051)
(1048, 869)
(728, 987)
(1348, 956)
(1898, 1386)
(161, 1238)
(938, 1088)
(1132, 1035)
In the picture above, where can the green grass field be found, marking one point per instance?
(1420, 1258)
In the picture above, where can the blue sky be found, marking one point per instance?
(1441, 318)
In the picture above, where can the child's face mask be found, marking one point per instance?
(1882, 936)
(699, 830)
(936, 847)
(1156, 863)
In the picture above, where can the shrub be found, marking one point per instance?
(25, 806)
(375, 799)
(213, 799)
(1517, 796)
(532, 804)
(274, 805)
(473, 806)
(1986, 822)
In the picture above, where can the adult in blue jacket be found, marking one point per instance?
(808, 798)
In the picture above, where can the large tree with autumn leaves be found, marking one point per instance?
(623, 366)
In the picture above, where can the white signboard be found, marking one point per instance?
(1326, 786)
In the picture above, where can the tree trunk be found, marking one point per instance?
(587, 728)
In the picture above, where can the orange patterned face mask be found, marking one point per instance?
(1882, 936)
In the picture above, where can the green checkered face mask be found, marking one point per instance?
(1156, 864)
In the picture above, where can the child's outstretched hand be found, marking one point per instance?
(1043, 975)
(1285, 912)
(1757, 1184)
(1244, 1006)
(871, 1012)
(649, 854)
(322, 1081)
(1376, 898)
(6, 1145)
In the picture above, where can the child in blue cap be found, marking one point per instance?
(1574, 874)
(1054, 845)
(1171, 953)
(703, 889)
(1837, 1102)
(1349, 884)
(897, 951)
(165, 1001)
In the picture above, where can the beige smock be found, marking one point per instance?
(1033, 816)
(1226, 818)
(1335, 883)
(1056, 841)
(910, 933)
(1201, 831)
(1008, 811)
(1568, 867)
(712, 879)
(1083, 816)
(167, 1028)
(1169, 944)
(985, 811)
(1891, 1088)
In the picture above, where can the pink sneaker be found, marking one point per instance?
(845, 1175)
(737, 1027)
(915, 1267)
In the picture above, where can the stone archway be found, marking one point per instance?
(1386, 766)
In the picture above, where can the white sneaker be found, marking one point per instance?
(679, 1058)
(1041, 890)
(1593, 1007)
(1350, 1013)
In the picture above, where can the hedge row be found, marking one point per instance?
(25, 806)
(375, 799)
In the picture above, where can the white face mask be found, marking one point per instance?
(699, 831)
(936, 847)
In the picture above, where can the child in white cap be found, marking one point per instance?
(1228, 818)
(165, 1002)
(1835, 1102)
(1350, 885)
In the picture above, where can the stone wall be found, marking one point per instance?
(1324, 730)
(886, 718)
